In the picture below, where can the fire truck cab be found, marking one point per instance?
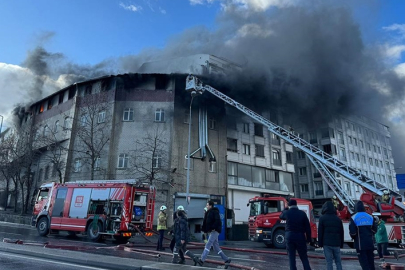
(265, 224)
(119, 208)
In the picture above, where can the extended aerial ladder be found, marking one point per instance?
(326, 164)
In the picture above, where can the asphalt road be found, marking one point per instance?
(85, 248)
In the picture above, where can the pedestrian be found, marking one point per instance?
(213, 226)
(331, 235)
(173, 241)
(297, 234)
(181, 236)
(161, 227)
(362, 228)
(381, 239)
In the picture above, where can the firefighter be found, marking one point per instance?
(335, 202)
(386, 197)
(162, 227)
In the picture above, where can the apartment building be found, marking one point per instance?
(360, 142)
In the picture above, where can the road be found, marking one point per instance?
(257, 256)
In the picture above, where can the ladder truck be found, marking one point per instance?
(391, 211)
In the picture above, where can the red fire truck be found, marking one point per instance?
(265, 224)
(118, 208)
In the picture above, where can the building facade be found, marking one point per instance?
(360, 142)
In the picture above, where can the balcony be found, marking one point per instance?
(277, 162)
(319, 192)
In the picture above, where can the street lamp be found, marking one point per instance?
(193, 94)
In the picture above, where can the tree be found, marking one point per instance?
(150, 160)
(92, 128)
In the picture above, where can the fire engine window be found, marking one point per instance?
(255, 208)
(44, 193)
(272, 206)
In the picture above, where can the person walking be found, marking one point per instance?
(212, 225)
(173, 241)
(297, 234)
(204, 235)
(381, 238)
(362, 228)
(331, 235)
(181, 236)
(161, 227)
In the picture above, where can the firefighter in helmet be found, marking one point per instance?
(386, 196)
(335, 202)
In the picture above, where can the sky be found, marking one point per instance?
(351, 52)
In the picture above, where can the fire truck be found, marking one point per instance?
(264, 222)
(99, 208)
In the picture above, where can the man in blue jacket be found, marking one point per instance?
(297, 234)
(362, 228)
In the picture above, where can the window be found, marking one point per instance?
(78, 165)
(325, 133)
(368, 147)
(352, 155)
(45, 131)
(246, 128)
(378, 150)
(274, 139)
(232, 173)
(357, 157)
(212, 123)
(355, 141)
(289, 157)
(66, 123)
(340, 138)
(83, 120)
(370, 161)
(160, 115)
(54, 170)
(46, 173)
(375, 148)
(361, 144)
(304, 188)
(348, 188)
(276, 157)
(55, 129)
(353, 127)
(259, 130)
(364, 158)
(232, 145)
(128, 114)
(318, 188)
(343, 153)
(302, 171)
(350, 140)
(312, 137)
(123, 161)
(259, 150)
(301, 154)
(101, 117)
(376, 162)
(97, 164)
(246, 149)
(213, 167)
(157, 162)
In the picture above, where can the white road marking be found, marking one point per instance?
(53, 261)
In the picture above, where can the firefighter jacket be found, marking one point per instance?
(361, 228)
(297, 226)
(181, 230)
(330, 228)
(162, 221)
(212, 221)
(381, 235)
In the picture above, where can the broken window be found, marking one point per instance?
(232, 145)
(259, 130)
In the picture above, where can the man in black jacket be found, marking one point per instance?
(181, 236)
(297, 234)
(212, 225)
(362, 228)
(330, 235)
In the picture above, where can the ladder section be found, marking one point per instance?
(194, 85)
(403, 235)
(334, 184)
(150, 208)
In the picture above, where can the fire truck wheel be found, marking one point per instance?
(93, 232)
(43, 226)
(279, 239)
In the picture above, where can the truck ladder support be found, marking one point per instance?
(354, 175)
